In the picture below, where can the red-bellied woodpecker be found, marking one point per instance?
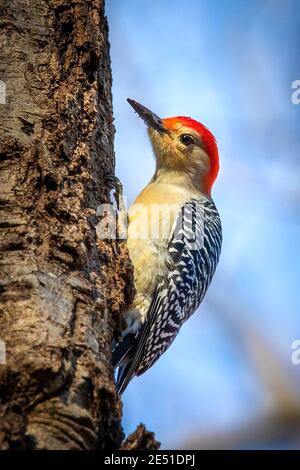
(174, 240)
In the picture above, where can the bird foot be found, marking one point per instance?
(113, 182)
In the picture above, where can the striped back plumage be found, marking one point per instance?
(194, 249)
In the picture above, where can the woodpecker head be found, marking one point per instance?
(182, 145)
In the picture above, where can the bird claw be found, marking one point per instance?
(114, 183)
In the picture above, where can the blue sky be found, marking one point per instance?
(230, 65)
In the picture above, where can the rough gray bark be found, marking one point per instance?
(61, 291)
(141, 439)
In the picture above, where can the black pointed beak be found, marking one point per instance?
(151, 119)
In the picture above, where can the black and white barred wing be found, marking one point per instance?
(194, 249)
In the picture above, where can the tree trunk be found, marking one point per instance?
(62, 291)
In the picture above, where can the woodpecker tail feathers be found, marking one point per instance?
(122, 355)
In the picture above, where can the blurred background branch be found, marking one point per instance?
(279, 417)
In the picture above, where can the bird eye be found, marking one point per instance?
(186, 139)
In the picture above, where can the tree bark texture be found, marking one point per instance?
(61, 290)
